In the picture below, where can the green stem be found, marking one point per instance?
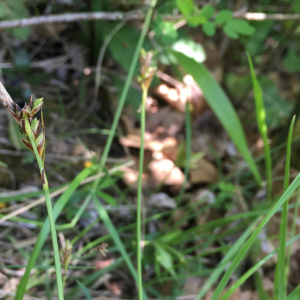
(50, 213)
(125, 90)
(139, 196)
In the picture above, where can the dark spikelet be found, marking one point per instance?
(6, 99)
(27, 144)
(43, 175)
(40, 146)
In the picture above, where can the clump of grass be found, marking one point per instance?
(23, 114)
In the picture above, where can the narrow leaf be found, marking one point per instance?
(239, 256)
(85, 290)
(221, 106)
(262, 126)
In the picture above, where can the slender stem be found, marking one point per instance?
(125, 91)
(50, 214)
(139, 196)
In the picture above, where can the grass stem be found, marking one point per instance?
(139, 196)
(50, 215)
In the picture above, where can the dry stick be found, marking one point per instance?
(117, 16)
(61, 190)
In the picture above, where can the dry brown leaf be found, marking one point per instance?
(204, 172)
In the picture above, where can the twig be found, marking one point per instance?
(251, 16)
(117, 16)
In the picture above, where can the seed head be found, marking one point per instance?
(21, 112)
(146, 70)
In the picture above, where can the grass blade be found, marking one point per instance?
(223, 264)
(253, 269)
(249, 242)
(85, 290)
(221, 106)
(261, 122)
(281, 268)
(115, 237)
(295, 294)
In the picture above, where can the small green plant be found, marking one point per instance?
(204, 17)
(224, 197)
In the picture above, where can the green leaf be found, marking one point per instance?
(220, 104)
(207, 11)
(235, 27)
(196, 20)
(224, 263)
(3, 165)
(256, 43)
(21, 33)
(209, 28)
(261, 122)
(292, 61)
(242, 27)
(165, 31)
(186, 7)
(164, 258)
(230, 31)
(254, 268)
(85, 290)
(107, 198)
(190, 49)
(295, 294)
(223, 16)
(246, 246)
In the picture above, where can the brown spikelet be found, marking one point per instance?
(40, 146)
(43, 175)
(27, 144)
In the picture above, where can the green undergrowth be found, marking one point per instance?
(153, 249)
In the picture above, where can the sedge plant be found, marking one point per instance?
(30, 127)
(145, 78)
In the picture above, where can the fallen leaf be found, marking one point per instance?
(204, 172)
